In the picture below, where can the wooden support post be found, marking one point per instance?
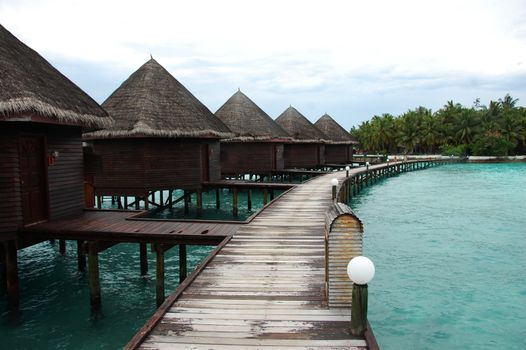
(170, 199)
(249, 200)
(183, 271)
(161, 198)
(143, 259)
(265, 196)
(99, 202)
(125, 202)
(81, 256)
(234, 201)
(11, 266)
(146, 202)
(62, 246)
(137, 204)
(3, 281)
(199, 203)
(271, 195)
(218, 199)
(159, 284)
(93, 276)
(186, 201)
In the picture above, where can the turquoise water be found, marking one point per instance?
(449, 245)
(55, 311)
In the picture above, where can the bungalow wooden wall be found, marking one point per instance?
(133, 166)
(250, 157)
(65, 176)
(301, 155)
(337, 154)
(215, 160)
(10, 205)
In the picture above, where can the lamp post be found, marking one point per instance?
(361, 271)
(334, 183)
(347, 168)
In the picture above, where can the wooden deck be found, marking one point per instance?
(113, 226)
(265, 288)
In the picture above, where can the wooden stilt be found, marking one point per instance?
(93, 276)
(265, 196)
(146, 202)
(11, 261)
(159, 284)
(137, 204)
(218, 199)
(186, 201)
(81, 256)
(3, 280)
(99, 202)
(62, 246)
(182, 263)
(199, 200)
(161, 198)
(143, 258)
(271, 195)
(125, 202)
(249, 200)
(234, 201)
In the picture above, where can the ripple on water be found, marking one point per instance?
(448, 244)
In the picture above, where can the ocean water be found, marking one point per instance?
(449, 246)
(55, 307)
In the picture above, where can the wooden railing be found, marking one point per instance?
(343, 241)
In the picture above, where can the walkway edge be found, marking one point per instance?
(145, 330)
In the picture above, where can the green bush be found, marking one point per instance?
(491, 145)
(448, 150)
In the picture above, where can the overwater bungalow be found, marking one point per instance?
(164, 138)
(307, 149)
(42, 116)
(339, 150)
(257, 147)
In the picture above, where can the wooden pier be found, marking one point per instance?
(96, 231)
(266, 288)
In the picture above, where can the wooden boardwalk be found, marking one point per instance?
(108, 225)
(265, 288)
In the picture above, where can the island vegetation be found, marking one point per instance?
(498, 129)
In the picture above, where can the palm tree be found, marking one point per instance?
(466, 125)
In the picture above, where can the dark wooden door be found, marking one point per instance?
(205, 162)
(33, 179)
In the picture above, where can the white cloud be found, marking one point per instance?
(296, 49)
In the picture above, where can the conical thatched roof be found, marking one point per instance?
(29, 85)
(152, 103)
(299, 127)
(333, 130)
(248, 121)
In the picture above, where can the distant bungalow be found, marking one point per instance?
(307, 149)
(257, 147)
(164, 138)
(42, 115)
(340, 149)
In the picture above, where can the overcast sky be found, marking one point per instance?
(351, 59)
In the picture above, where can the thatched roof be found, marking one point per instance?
(333, 130)
(152, 103)
(30, 87)
(299, 127)
(248, 121)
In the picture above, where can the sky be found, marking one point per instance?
(350, 59)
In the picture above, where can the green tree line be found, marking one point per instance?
(497, 129)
